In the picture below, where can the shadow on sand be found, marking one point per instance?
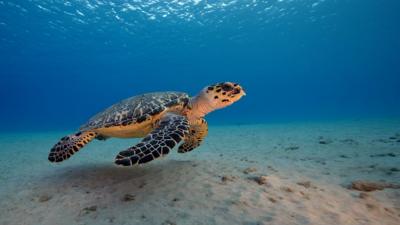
(108, 178)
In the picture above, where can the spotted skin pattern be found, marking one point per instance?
(198, 131)
(136, 109)
(70, 144)
(226, 92)
(170, 131)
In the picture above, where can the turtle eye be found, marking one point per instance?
(227, 87)
(236, 91)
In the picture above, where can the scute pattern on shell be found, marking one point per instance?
(135, 109)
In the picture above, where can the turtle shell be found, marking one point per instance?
(135, 109)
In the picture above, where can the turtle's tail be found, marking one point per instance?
(70, 144)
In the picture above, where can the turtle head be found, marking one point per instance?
(214, 97)
(223, 94)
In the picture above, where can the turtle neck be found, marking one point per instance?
(200, 106)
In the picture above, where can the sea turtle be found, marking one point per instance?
(164, 119)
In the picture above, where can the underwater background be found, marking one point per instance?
(316, 140)
(63, 61)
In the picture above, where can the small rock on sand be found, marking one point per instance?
(89, 209)
(287, 189)
(227, 178)
(44, 198)
(249, 170)
(261, 180)
(128, 197)
(306, 184)
(390, 154)
(395, 137)
(292, 148)
(247, 160)
(324, 141)
(371, 186)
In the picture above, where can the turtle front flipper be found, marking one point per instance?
(70, 144)
(170, 131)
(198, 131)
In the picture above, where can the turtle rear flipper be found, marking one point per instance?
(198, 131)
(70, 144)
(170, 131)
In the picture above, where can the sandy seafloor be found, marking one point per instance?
(190, 189)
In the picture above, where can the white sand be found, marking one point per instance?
(189, 188)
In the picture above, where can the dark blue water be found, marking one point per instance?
(62, 61)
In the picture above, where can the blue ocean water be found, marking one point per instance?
(62, 61)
